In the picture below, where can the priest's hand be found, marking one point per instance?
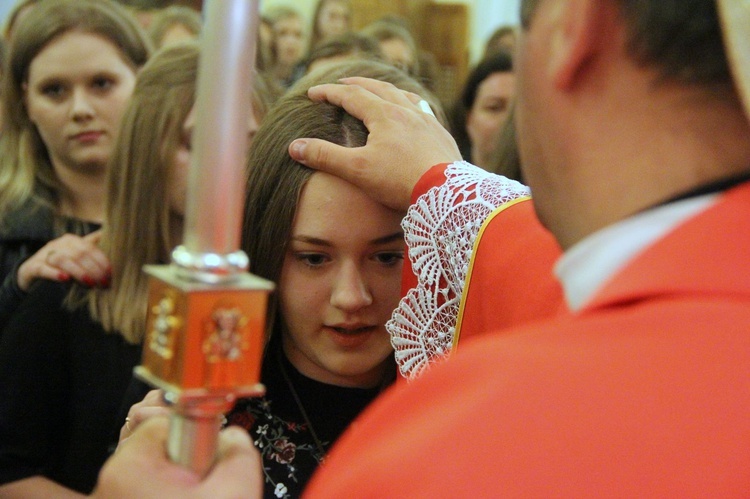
(404, 140)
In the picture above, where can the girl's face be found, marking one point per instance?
(334, 19)
(77, 90)
(288, 34)
(398, 53)
(339, 284)
(180, 168)
(488, 113)
(177, 33)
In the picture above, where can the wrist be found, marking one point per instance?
(433, 177)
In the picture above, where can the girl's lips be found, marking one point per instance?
(351, 330)
(350, 337)
(87, 136)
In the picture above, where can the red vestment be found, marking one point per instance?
(645, 392)
(478, 257)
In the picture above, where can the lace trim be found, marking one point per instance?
(440, 230)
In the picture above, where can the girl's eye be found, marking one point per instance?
(312, 259)
(103, 83)
(53, 90)
(496, 107)
(390, 258)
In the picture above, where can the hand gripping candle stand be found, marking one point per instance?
(206, 321)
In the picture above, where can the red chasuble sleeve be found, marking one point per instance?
(478, 260)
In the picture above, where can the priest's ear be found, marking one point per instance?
(584, 31)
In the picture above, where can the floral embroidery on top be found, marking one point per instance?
(440, 230)
(275, 439)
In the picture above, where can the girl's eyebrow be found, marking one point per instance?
(389, 238)
(311, 240)
(322, 242)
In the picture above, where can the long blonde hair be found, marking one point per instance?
(138, 221)
(26, 171)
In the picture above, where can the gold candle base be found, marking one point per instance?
(203, 347)
(204, 340)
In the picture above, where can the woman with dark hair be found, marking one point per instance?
(479, 114)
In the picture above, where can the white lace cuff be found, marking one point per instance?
(440, 230)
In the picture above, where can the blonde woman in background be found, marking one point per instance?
(67, 355)
(71, 70)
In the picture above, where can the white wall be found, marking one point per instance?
(487, 16)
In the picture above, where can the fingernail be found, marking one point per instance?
(297, 149)
(63, 277)
(88, 281)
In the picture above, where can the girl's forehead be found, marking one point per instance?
(335, 207)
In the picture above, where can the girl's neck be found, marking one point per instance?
(82, 194)
(372, 379)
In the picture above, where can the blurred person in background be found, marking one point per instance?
(503, 39)
(288, 42)
(342, 47)
(396, 43)
(71, 70)
(478, 116)
(174, 24)
(67, 354)
(331, 18)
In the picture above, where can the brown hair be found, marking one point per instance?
(507, 160)
(174, 15)
(20, 9)
(353, 44)
(386, 29)
(495, 42)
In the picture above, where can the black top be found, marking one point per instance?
(276, 424)
(62, 379)
(279, 430)
(26, 230)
